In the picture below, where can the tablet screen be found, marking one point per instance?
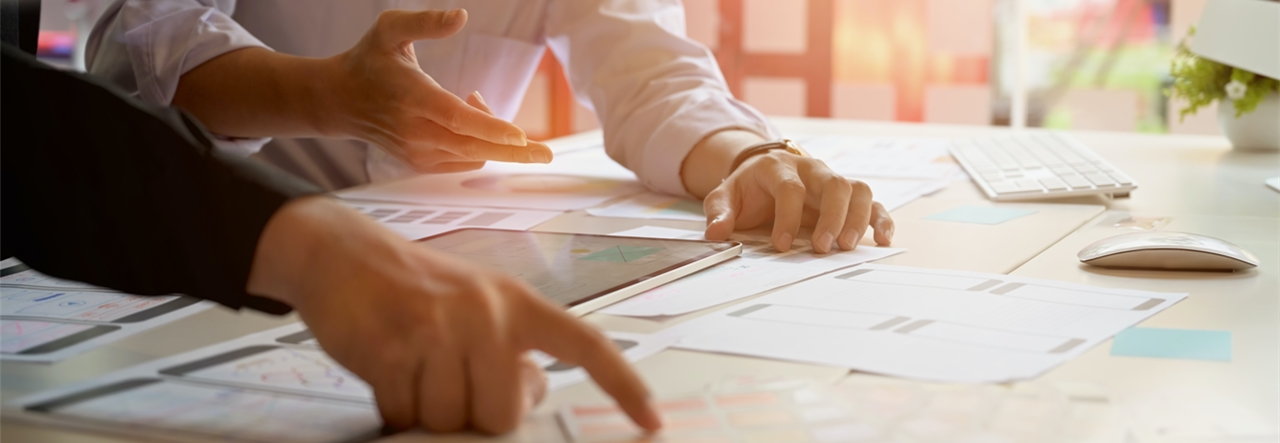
(573, 268)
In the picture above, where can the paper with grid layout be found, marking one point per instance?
(925, 323)
(272, 386)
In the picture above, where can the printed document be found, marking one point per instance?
(417, 221)
(275, 385)
(44, 319)
(925, 324)
(760, 268)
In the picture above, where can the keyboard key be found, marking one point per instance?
(1100, 180)
(1076, 181)
(1121, 179)
(1028, 184)
(1004, 187)
(993, 177)
(1061, 169)
(1053, 184)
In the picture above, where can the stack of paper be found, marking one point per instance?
(760, 268)
(46, 319)
(924, 323)
(276, 385)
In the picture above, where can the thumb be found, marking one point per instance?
(477, 101)
(396, 27)
(721, 213)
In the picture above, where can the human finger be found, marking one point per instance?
(447, 110)
(555, 332)
(443, 390)
(395, 392)
(788, 190)
(396, 27)
(473, 149)
(882, 223)
(855, 223)
(833, 211)
(535, 382)
(475, 99)
(497, 394)
(721, 207)
(449, 167)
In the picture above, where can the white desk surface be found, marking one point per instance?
(1197, 181)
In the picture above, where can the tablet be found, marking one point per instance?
(583, 272)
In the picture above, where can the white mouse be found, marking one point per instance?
(1167, 250)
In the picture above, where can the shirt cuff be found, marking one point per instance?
(675, 138)
(161, 56)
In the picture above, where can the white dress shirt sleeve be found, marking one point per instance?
(146, 46)
(657, 92)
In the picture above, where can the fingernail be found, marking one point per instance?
(826, 240)
(785, 242)
(480, 98)
(451, 17)
(857, 238)
(889, 233)
(516, 140)
(540, 156)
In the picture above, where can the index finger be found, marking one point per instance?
(449, 111)
(552, 330)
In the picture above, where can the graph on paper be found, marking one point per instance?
(303, 371)
(81, 305)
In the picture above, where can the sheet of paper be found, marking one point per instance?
(884, 157)
(760, 268)
(280, 376)
(783, 410)
(417, 221)
(894, 194)
(891, 193)
(1173, 343)
(575, 180)
(45, 319)
(925, 323)
(653, 206)
(983, 215)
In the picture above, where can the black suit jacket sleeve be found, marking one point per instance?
(101, 188)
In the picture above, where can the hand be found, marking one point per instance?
(792, 191)
(442, 342)
(384, 97)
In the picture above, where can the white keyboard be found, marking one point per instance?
(1037, 165)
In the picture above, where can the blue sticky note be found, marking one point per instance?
(986, 215)
(1173, 343)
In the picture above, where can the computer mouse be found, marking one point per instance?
(1167, 250)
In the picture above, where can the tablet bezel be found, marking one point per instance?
(635, 286)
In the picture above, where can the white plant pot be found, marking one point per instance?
(1256, 131)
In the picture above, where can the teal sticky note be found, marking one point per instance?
(986, 215)
(1173, 343)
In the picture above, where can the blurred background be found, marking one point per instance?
(1089, 64)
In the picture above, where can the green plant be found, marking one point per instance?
(1202, 81)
